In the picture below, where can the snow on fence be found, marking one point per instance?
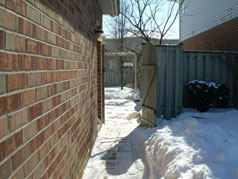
(166, 71)
(112, 78)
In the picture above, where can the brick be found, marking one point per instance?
(48, 131)
(2, 2)
(40, 33)
(45, 21)
(60, 41)
(223, 37)
(35, 111)
(3, 126)
(26, 62)
(28, 97)
(5, 169)
(52, 64)
(42, 122)
(20, 156)
(51, 89)
(18, 45)
(29, 131)
(55, 27)
(46, 77)
(45, 49)
(18, 174)
(10, 144)
(11, 102)
(47, 105)
(16, 81)
(41, 93)
(33, 79)
(9, 62)
(3, 86)
(38, 171)
(50, 12)
(2, 39)
(41, 63)
(54, 3)
(26, 27)
(8, 21)
(32, 46)
(16, 5)
(33, 14)
(49, 158)
(55, 52)
(40, 5)
(31, 163)
(46, 174)
(60, 64)
(37, 142)
(51, 38)
(30, 176)
(56, 100)
(17, 119)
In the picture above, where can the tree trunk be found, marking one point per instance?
(121, 73)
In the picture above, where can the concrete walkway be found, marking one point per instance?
(117, 152)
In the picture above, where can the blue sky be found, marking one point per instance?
(172, 34)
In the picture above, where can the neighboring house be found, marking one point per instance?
(50, 85)
(209, 25)
(134, 43)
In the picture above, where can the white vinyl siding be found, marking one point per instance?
(201, 15)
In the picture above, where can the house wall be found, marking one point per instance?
(209, 25)
(223, 37)
(48, 92)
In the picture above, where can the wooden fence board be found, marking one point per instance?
(210, 66)
(168, 87)
(175, 68)
(179, 81)
(200, 69)
(112, 78)
(169, 81)
(148, 84)
(192, 66)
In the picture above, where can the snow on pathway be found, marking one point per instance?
(117, 152)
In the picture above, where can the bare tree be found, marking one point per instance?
(151, 18)
(119, 31)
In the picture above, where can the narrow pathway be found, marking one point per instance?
(117, 152)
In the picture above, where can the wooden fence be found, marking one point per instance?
(148, 84)
(169, 81)
(112, 78)
(174, 68)
(218, 67)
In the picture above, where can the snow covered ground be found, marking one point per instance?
(194, 145)
(117, 153)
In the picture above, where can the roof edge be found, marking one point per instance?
(110, 7)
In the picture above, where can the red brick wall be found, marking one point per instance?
(48, 92)
(223, 37)
(100, 81)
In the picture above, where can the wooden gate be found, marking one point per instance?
(161, 83)
(148, 84)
